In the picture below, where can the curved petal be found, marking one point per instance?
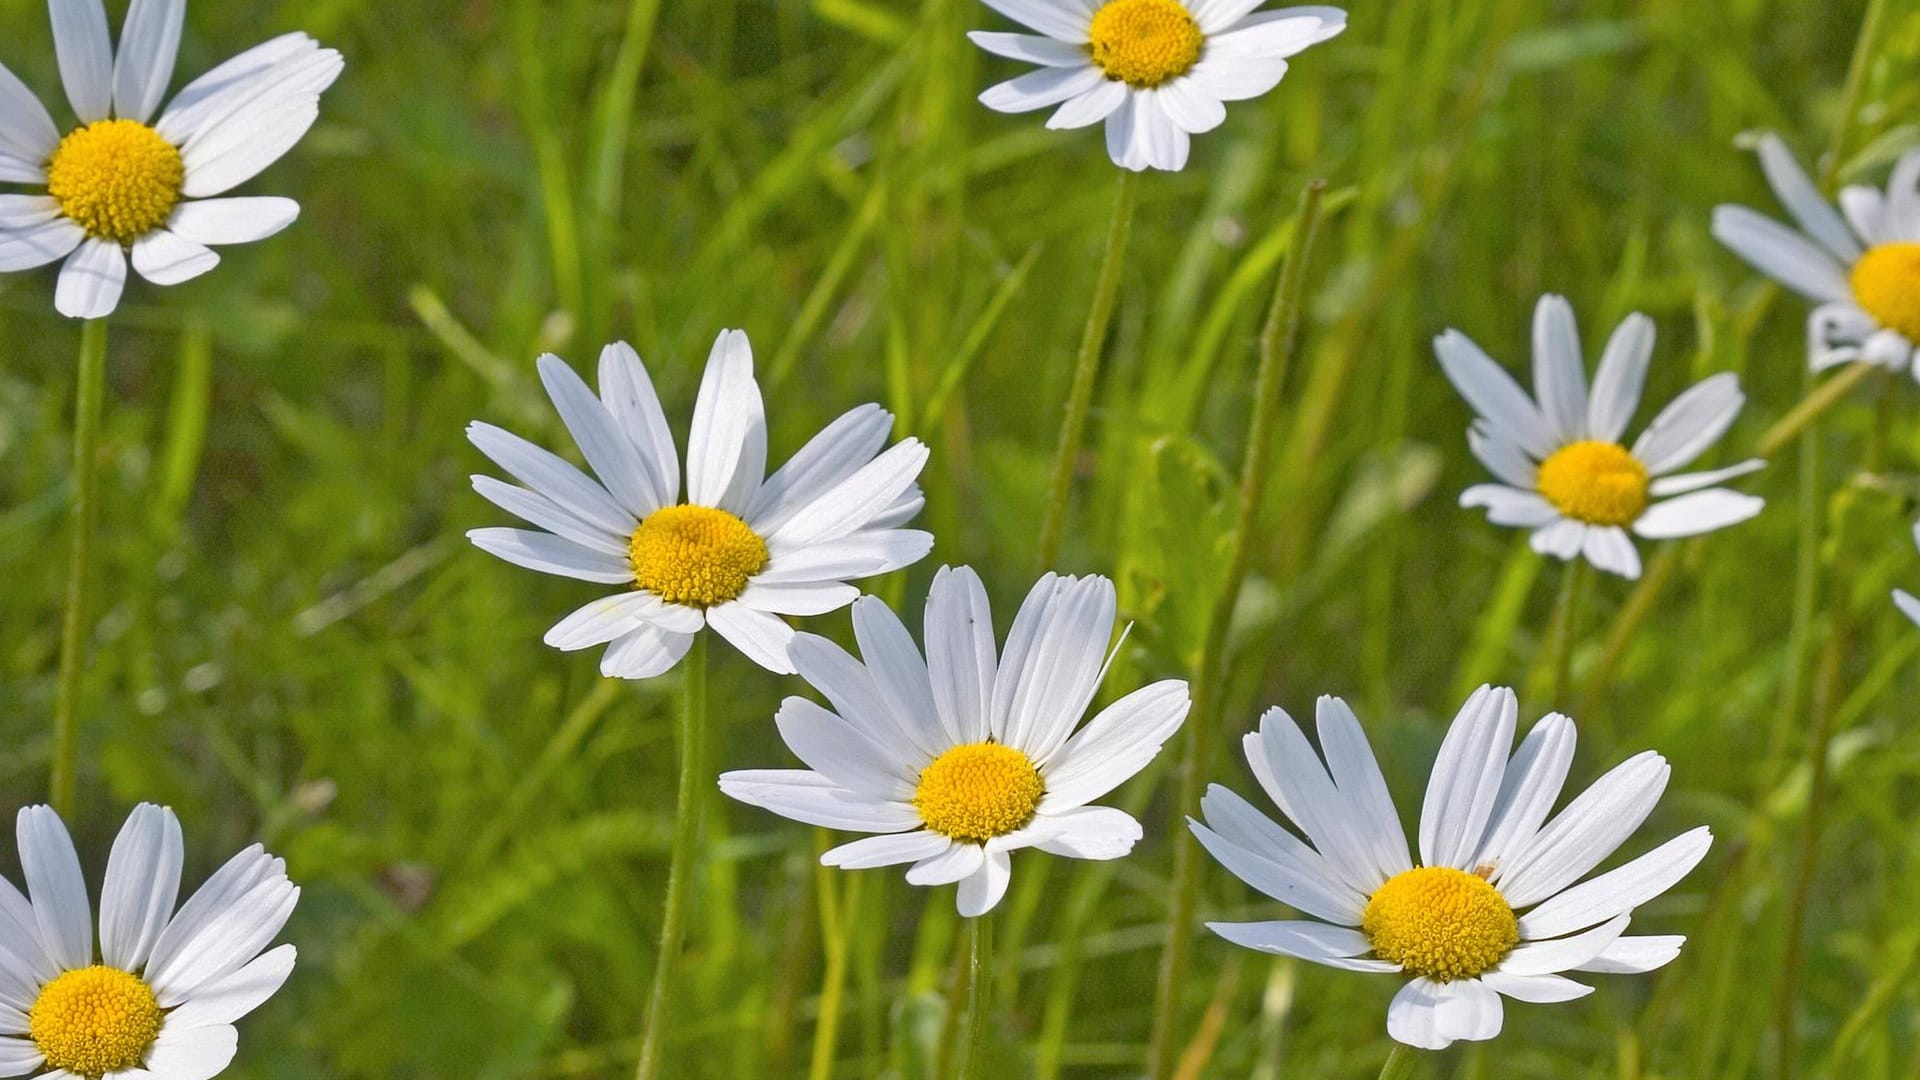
(1564, 954)
(852, 505)
(1041, 89)
(1052, 663)
(727, 445)
(212, 903)
(1228, 78)
(1536, 989)
(1635, 955)
(1802, 199)
(1466, 779)
(1045, 51)
(613, 457)
(555, 477)
(192, 1053)
(1510, 506)
(260, 126)
(1089, 832)
(900, 675)
(227, 999)
(27, 246)
(1357, 775)
(167, 258)
(142, 883)
(1680, 485)
(1619, 890)
(887, 849)
(628, 394)
(240, 220)
(1062, 20)
(843, 754)
(980, 891)
(644, 653)
(1532, 784)
(26, 131)
(233, 83)
(849, 687)
(1292, 774)
(226, 944)
(56, 886)
(760, 637)
(957, 862)
(536, 509)
(1502, 456)
(1272, 860)
(1089, 107)
(91, 281)
(1562, 539)
(824, 463)
(1116, 745)
(549, 554)
(1609, 548)
(609, 618)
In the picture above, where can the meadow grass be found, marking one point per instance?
(294, 643)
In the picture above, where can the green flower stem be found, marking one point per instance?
(1276, 354)
(88, 405)
(979, 994)
(1564, 634)
(838, 916)
(1401, 1064)
(686, 836)
(1086, 369)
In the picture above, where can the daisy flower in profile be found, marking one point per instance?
(1157, 71)
(159, 1000)
(743, 549)
(1860, 265)
(122, 183)
(962, 758)
(1492, 908)
(1563, 471)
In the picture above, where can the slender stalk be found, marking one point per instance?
(89, 399)
(686, 837)
(979, 994)
(1401, 1063)
(1086, 368)
(837, 917)
(1564, 634)
(1276, 354)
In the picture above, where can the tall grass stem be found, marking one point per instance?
(1401, 1063)
(691, 800)
(89, 402)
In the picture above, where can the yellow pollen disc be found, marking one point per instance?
(695, 555)
(979, 791)
(1886, 282)
(1595, 482)
(1440, 922)
(117, 179)
(1144, 42)
(94, 1021)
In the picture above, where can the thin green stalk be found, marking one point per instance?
(1564, 634)
(686, 837)
(1793, 961)
(1276, 353)
(89, 398)
(1401, 1064)
(1086, 368)
(836, 920)
(979, 995)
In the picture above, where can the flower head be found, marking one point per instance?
(122, 183)
(1495, 906)
(968, 754)
(160, 997)
(1564, 471)
(744, 548)
(1157, 71)
(1860, 265)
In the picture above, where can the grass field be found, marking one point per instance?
(295, 643)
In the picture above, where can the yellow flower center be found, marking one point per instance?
(695, 555)
(117, 179)
(94, 1021)
(1886, 282)
(1595, 482)
(1439, 922)
(979, 791)
(1144, 42)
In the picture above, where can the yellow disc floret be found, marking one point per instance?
(1144, 42)
(979, 791)
(94, 1021)
(117, 179)
(695, 555)
(1886, 282)
(1595, 482)
(1441, 923)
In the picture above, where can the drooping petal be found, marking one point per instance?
(644, 653)
(980, 891)
(1609, 548)
(887, 849)
(760, 637)
(91, 281)
(167, 258)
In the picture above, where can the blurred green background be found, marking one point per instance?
(295, 643)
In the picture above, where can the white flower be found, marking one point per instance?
(743, 550)
(1564, 472)
(121, 182)
(1904, 600)
(159, 1000)
(964, 757)
(1862, 270)
(1157, 71)
(1492, 908)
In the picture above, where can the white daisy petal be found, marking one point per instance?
(212, 902)
(1531, 786)
(24, 963)
(61, 911)
(1866, 211)
(227, 999)
(1191, 108)
(1115, 745)
(1357, 775)
(727, 446)
(1562, 539)
(1318, 943)
(553, 476)
(798, 599)
(231, 84)
(1700, 512)
(1502, 456)
(1413, 1017)
(1680, 485)
(608, 618)
(853, 503)
(537, 509)
(1510, 506)
(1469, 1010)
(840, 752)
(1090, 106)
(142, 883)
(26, 131)
(192, 1053)
(900, 675)
(550, 554)
(234, 146)
(1780, 253)
(644, 653)
(1609, 548)
(19, 1057)
(1276, 37)
(1692, 423)
(760, 637)
(91, 281)
(27, 246)
(15, 169)
(1536, 989)
(1803, 200)
(957, 862)
(85, 51)
(167, 258)
(962, 659)
(1635, 955)
(148, 44)
(1494, 395)
(1119, 132)
(1235, 78)
(628, 394)
(1287, 767)
(1310, 888)
(825, 463)
(1564, 954)
(812, 799)
(849, 686)
(1058, 19)
(1619, 890)
(889, 849)
(1090, 832)
(1041, 89)
(240, 220)
(615, 460)
(1467, 778)
(227, 942)
(1046, 51)
(980, 891)
(1908, 604)
(1620, 378)
(1157, 137)
(861, 554)
(1215, 16)
(1052, 663)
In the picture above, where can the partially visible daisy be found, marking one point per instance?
(1563, 470)
(121, 183)
(1491, 908)
(1860, 265)
(159, 999)
(1904, 600)
(744, 548)
(964, 757)
(1157, 71)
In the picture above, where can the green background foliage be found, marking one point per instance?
(295, 643)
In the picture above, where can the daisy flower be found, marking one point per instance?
(1563, 470)
(1157, 71)
(744, 548)
(1859, 265)
(121, 182)
(159, 1000)
(1492, 908)
(962, 758)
